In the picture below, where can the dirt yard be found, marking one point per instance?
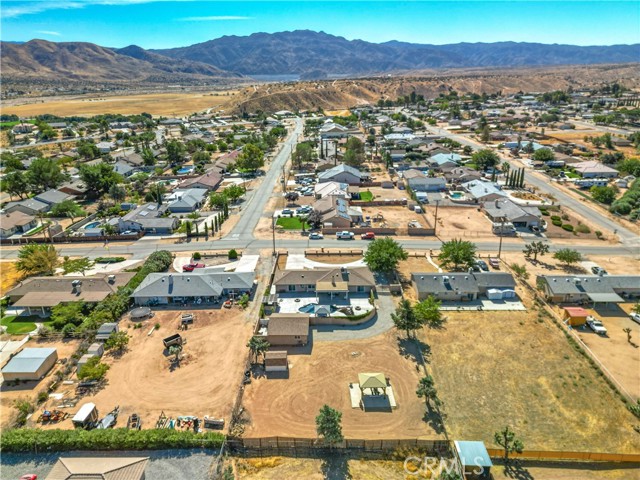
(320, 374)
(507, 368)
(335, 259)
(461, 222)
(143, 380)
(29, 390)
(167, 104)
(394, 217)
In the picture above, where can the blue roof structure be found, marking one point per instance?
(28, 360)
(473, 453)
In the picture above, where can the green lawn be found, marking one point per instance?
(292, 223)
(22, 324)
(366, 196)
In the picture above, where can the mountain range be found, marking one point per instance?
(303, 53)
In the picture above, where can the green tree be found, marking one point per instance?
(37, 259)
(484, 136)
(67, 208)
(87, 149)
(329, 425)
(457, 255)
(117, 192)
(148, 157)
(15, 183)
(44, 174)
(603, 194)
(567, 256)
(251, 158)
(520, 271)
(304, 153)
(99, 178)
(69, 313)
(258, 347)
(93, 370)
(233, 192)
(428, 312)
(79, 265)
(218, 200)
(544, 155)
(507, 439)
(175, 151)
(384, 254)
(117, 341)
(485, 159)
(405, 318)
(535, 249)
(427, 390)
(175, 350)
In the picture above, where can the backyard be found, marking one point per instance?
(22, 324)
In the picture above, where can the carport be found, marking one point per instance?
(605, 298)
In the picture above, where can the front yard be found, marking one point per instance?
(22, 324)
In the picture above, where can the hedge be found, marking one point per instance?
(23, 440)
(109, 259)
(557, 223)
(568, 227)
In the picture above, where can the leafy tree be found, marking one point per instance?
(251, 158)
(603, 194)
(304, 153)
(507, 439)
(80, 265)
(16, 183)
(70, 313)
(384, 254)
(44, 174)
(93, 370)
(258, 347)
(314, 219)
(427, 390)
(535, 249)
(218, 200)
(405, 318)
(175, 151)
(87, 149)
(457, 254)
(567, 256)
(329, 425)
(354, 152)
(148, 157)
(117, 341)
(544, 155)
(117, 192)
(99, 178)
(520, 271)
(485, 158)
(67, 208)
(428, 312)
(233, 192)
(37, 259)
(630, 166)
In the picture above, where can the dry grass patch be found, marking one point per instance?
(9, 276)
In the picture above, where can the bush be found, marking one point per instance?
(568, 227)
(545, 213)
(555, 218)
(197, 256)
(233, 255)
(42, 396)
(109, 259)
(582, 228)
(28, 439)
(598, 233)
(557, 223)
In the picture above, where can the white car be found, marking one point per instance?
(635, 317)
(596, 325)
(316, 236)
(345, 235)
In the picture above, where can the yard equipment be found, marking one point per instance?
(109, 420)
(134, 422)
(162, 421)
(187, 318)
(213, 423)
(52, 416)
(174, 339)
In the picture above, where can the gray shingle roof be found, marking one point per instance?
(52, 197)
(461, 282)
(590, 284)
(193, 284)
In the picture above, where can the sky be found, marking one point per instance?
(175, 23)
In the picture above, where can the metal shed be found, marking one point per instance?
(30, 364)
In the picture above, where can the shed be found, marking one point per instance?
(84, 360)
(30, 364)
(276, 361)
(575, 316)
(96, 349)
(288, 329)
(105, 331)
(473, 459)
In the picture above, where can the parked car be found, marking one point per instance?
(192, 266)
(368, 236)
(482, 265)
(307, 193)
(315, 236)
(596, 325)
(345, 235)
(287, 211)
(534, 229)
(29, 476)
(635, 317)
(495, 263)
(598, 270)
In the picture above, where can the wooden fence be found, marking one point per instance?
(326, 251)
(579, 456)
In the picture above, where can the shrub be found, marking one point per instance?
(598, 233)
(28, 439)
(555, 217)
(568, 227)
(233, 255)
(42, 396)
(24, 409)
(197, 256)
(582, 228)
(109, 259)
(545, 213)
(93, 370)
(557, 223)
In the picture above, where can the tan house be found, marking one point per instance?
(16, 222)
(99, 468)
(326, 283)
(288, 329)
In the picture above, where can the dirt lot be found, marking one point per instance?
(205, 383)
(517, 371)
(168, 104)
(320, 375)
(461, 222)
(335, 259)
(29, 390)
(380, 193)
(394, 217)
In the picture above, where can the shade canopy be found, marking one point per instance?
(372, 380)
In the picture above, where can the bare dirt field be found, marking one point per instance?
(29, 390)
(143, 381)
(394, 217)
(460, 222)
(380, 193)
(167, 104)
(320, 374)
(507, 368)
(335, 259)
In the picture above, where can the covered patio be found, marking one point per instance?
(373, 392)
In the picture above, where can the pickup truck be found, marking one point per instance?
(368, 236)
(596, 325)
(345, 235)
(192, 266)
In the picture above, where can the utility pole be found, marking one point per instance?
(501, 233)
(273, 234)
(435, 226)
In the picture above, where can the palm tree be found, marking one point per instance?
(258, 346)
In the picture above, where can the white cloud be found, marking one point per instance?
(214, 18)
(49, 32)
(19, 9)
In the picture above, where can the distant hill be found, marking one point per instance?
(315, 54)
(78, 61)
